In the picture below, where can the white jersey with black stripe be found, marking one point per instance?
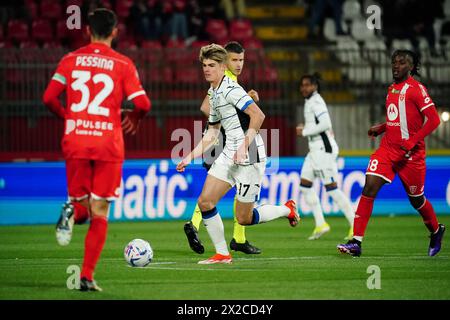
(318, 126)
(228, 102)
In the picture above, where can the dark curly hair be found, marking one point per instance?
(413, 56)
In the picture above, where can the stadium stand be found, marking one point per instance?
(355, 68)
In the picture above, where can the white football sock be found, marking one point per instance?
(214, 226)
(313, 202)
(268, 212)
(344, 204)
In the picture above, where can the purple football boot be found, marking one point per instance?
(352, 247)
(435, 241)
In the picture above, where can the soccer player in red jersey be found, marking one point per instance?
(401, 151)
(96, 80)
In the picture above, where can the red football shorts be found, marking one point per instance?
(98, 179)
(386, 163)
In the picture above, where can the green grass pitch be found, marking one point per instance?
(291, 267)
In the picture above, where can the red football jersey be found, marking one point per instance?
(96, 79)
(405, 103)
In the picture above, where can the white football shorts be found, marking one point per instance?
(246, 178)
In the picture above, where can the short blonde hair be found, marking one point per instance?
(214, 52)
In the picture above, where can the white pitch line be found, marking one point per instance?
(203, 269)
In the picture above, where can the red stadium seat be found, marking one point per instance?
(61, 30)
(42, 30)
(217, 30)
(32, 9)
(2, 35)
(176, 52)
(123, 8)
(28, 45)
(122, 30)
(151, 44)
(106, 4)
(246, 76)
(241, 30)
(152, 52)
(51, 9)
(74, 2)
(253, 50)
(17, 30)
(6, 44)
(189, 75)
(126, 44)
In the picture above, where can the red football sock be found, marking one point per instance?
(428, 216)
(362, 215)
(81, 213)
(93, 245)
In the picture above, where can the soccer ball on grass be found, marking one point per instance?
(138, 253)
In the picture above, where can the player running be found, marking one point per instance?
(242, 161)
(96, 79)
(401, 151)
(320, 162)
(235, 63)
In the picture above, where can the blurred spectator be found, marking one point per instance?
(233, 8)
(196, 22)
(319, 10)
(146, 18)
(174, 19)
(13, 9)
(401, 21)
(212, 9)
(88, 6)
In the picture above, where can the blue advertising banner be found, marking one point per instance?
(32, 193)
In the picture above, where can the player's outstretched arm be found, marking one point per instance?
(131, 121)
(430, 125)
(205, 107)
(376, 130)
(207, 142)
(50, 98)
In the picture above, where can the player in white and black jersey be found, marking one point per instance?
(239, 242)
(241, 163)
(320, 162)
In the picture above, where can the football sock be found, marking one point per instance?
(362, 216)
(312, 200)
(268, 212)
(428, 216)
(214, 225)
(238, 230)
(344, 204)
(81, 213)
(93, 245)
(196, 217)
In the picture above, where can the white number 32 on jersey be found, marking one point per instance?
(80, 85)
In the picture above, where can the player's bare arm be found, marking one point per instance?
(204, 145)
(256, 121)
(205, 107)
(376, 130)
(299, 129)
